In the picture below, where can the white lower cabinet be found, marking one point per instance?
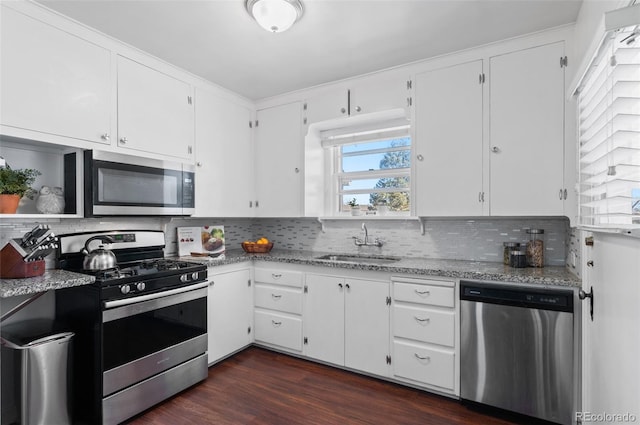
(346, 322)
(424, 364)
(278, 308)
(426, 333)
(229, 309)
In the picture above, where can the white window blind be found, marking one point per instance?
(609, 134)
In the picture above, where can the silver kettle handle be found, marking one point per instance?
(103, 238)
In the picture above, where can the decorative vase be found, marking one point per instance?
(50, 200)
(9, 204)
(355, 210)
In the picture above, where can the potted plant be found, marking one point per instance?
(355, 208)
(382, 207)
(14, 184)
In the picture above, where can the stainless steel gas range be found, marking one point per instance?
(141, 329)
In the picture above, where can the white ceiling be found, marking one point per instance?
(335, 39)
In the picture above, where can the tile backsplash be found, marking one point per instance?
(458, 239)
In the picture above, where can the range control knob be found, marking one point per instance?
(125, 289)
(194, 275)
(140, 286)
(184, 278)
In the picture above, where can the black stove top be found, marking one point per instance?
(145, 269)
(141, 266)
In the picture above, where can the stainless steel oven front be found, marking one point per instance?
(154, 346)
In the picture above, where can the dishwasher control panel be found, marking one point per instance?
(545, 299)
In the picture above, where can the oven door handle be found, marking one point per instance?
(141, 298)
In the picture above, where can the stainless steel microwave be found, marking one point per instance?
(117, 184)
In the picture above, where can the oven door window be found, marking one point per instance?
(125, 184)
(134, 336)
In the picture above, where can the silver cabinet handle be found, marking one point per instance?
(347, 286)
(422, 293)
(275, 324)
(495, 149)
(358, 109)
(420, 157)
(340, 285)
(565, 194)
(419, 357)
(123, 140)
(421, 321)
(561, 194)
(276, 297)
(105, 136)
(343, 110)
(276, 275)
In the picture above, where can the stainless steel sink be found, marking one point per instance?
(359, 259)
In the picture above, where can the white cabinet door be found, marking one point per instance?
(53, 82)
(278, 161)
(327, 105)
(366, 321)
(527, 131)
(324, 318)
(378, 93)
(224, 181)
(610, 342)
(155, 111)
(229, 309)
(448, 141)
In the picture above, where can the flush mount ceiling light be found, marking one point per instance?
(275, 15)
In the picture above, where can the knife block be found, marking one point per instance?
(12, 266)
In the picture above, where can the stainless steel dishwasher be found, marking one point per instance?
(517, 349)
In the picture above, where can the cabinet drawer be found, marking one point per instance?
(279, 330)
(279, 277)
(423, 324)
(442, 296)
(279, 298)
(427, 365)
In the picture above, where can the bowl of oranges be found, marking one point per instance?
(260, 246)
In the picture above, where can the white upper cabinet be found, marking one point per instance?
(330, 104)
(527, 131)
(223, 150)
(363, 96)
(54, 84)
(448, 141)
(379, 93)
(155, 112)
(278, 161)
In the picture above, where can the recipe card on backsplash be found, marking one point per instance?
(202, 240)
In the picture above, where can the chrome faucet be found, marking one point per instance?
(365, 241)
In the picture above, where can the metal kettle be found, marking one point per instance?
(99, 258)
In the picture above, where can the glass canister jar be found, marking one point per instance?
(508, 247)
(535, 248)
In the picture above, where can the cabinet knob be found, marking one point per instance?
(105, 136)
(343, 110)
(358, 109)
(199, 164)
(123, 140)
(297, 170)
(495, 149)
(420, 157)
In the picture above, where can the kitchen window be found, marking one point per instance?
(609, 134)
(371, 167)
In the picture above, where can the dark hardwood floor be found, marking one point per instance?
(258, 386)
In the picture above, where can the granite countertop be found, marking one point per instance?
(51, 279)
(476, 270)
